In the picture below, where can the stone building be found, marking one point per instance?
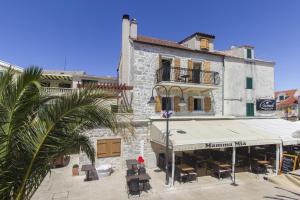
(287, 103)
(215, 85)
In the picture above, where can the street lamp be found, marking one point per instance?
(181, 103)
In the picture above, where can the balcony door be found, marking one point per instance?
(196, 72)
(166, 69)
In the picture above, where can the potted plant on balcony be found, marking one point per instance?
(75, 170)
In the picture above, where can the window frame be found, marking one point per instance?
(202, 104)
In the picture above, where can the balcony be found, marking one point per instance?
(187, 77)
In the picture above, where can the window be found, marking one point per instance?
(108, 148)
(250, 109)
(249, 53)
(88, 82)
(165, 103)
(196, 72)
(64, 85)
(198, 104)
(281, 98)
(166, 69)
(249, 83)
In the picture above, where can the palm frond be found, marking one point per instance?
(34, 129)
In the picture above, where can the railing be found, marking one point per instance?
(57, 90)
(118, 105)
(184, 75)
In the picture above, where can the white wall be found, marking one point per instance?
(235, 93)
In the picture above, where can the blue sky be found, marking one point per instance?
(88, 32)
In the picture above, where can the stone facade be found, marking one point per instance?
(132, 146)
(144, 79)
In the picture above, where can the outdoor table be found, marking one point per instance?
(222, 165)
(186, 168)
(263, 162)
(141, 177)
(87, 169)
(131, 162)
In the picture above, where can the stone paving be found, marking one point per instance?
(60, 185)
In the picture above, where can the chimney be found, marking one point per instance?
(124, 67)
(133, 28)
(125, 30)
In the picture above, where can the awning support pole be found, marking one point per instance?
(277, 158)
(233, 165)
(281, 152)
(249, 152)
(173, 168)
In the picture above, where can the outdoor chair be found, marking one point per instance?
(134, 187)
(223, 172)
(145, 184)
(192, 176)
(130, 172)
(258, 169)
(180, 176)
(142, 170)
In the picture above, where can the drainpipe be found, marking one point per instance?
(223, 80)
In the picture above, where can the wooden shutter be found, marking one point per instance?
(159, 72)
(249, 83)
(204, 44)
(176, 104)
(103, 148)
(190, 70)
(207, 104)
(115, 147)
(191, 104)
(177, 69)
(108, 148)
(157, 104)
(207, 76)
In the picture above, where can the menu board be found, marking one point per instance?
(288, 163)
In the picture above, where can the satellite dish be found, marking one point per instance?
(296, 134)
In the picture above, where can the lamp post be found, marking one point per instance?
(168, 105)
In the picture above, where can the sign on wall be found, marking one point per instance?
(266, 104)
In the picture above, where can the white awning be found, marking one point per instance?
(276, 127)
(207, 134)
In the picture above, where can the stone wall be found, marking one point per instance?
(131, 147)
(144, 66)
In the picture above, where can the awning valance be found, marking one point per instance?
(56, 77)
(208, 134)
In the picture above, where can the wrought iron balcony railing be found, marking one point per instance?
(184, 75)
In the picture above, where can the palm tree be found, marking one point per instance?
(35, 129)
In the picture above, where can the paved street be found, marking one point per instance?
(60, 185)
